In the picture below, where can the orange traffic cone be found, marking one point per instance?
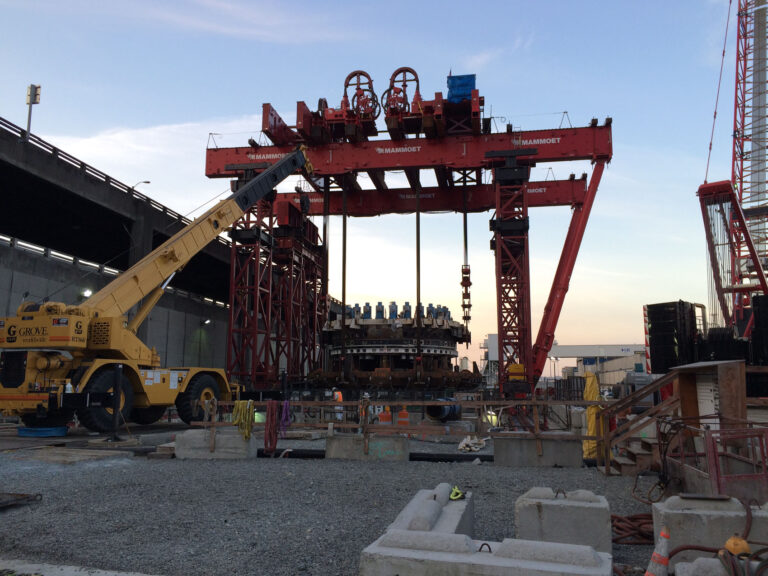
(660, 560)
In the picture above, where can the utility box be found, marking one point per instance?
(460, 87)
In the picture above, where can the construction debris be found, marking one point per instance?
(10, 499)
(472, 444)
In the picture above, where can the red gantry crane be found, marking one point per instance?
(475, 170)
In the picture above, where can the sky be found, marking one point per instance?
(136, 88)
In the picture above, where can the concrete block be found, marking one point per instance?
(230, 445)
(432, 541)
(705, 522)
(547, 553)
(453, 516)
(578, 517)
(706, 567)
(407, 553)
(523, 452)
(432, 537)
(22, 567)
(350, 447)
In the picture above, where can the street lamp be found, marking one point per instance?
(33, 97)
(141, 182)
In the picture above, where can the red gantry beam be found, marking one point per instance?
(480, 198)
(452, 152)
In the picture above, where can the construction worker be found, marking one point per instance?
(338, 397)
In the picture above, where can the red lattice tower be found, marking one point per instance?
(250, 355)
(750, 138)
(513, 290)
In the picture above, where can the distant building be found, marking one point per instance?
(610, 362)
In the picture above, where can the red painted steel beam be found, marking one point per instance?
(275, 127)
(723, 192)
(455, 152)
(713, 259)
(562, 278)
(480, 198)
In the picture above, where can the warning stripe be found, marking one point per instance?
(659, 559)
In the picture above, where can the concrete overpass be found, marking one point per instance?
(66, 226)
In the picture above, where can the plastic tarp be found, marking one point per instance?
(591, 392)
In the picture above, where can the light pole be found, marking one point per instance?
(33, 97)
(140, 182)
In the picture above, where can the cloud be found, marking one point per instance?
(171, 157)
(479, 60)
(267, 21)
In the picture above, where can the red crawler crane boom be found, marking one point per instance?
(735, 212)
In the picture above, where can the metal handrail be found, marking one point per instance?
(59, 154)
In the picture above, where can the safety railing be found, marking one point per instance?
(714, 455)
(95, 173)
(613, 436)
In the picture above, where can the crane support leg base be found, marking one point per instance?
(523, 452)
(352, 447)
(229, 445)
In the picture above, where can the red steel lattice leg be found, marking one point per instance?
(513, 296)
(250, 357)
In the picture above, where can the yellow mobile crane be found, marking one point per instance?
(57, 359)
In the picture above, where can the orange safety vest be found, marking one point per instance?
(337, 396)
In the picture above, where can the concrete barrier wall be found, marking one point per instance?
(706, 522)
(229, 445)
(351, 447)
(523, 452)
(578, 517)
(175, 327)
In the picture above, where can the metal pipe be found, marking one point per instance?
(326, 228)
(418, 280)
(466, 251)
(344, 284)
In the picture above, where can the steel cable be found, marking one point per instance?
(636, 529)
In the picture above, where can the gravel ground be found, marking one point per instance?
(264, 516)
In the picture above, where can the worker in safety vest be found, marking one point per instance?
(338, 397)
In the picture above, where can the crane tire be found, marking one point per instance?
(99, 418)
(190, 404)
(146, 416)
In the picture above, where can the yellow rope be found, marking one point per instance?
(242, 417)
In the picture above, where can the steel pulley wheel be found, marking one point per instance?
(400, 104)
(401, 78)
(371, 106)
(360, 80)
